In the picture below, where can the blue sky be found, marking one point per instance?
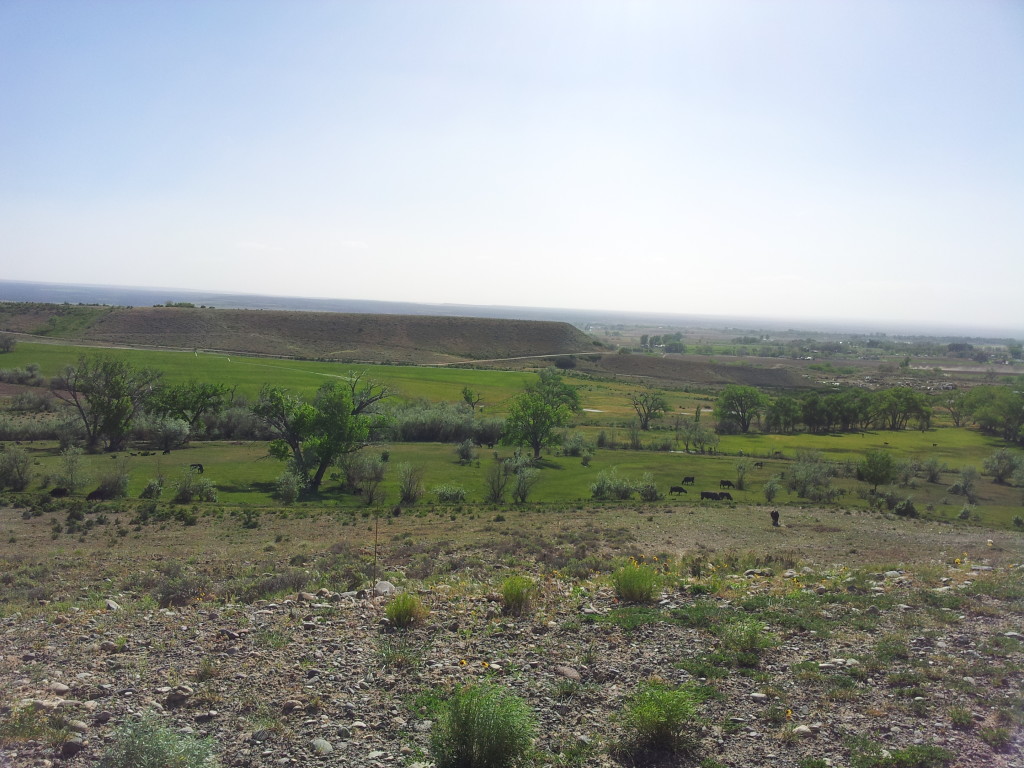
(836, 160)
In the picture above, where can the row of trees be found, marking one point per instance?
(998, 410)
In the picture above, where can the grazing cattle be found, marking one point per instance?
(710, 495)
(725, 496)
(689, 480)
(758, 465)
(725, 484)
(98, 495)
(197, 468)
(166, 451)
(775, 518)
(59, 493)
(677, 489)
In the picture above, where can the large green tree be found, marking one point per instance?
(315, 435)
(191, 401)
(106, 393)
(535, 414)
(648, 404)
(740, 404)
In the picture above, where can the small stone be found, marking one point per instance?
(101, 717)
(803, 730)
(71, 747)
(112, 605)
(291, 705)
(77, 726)
(567, 672)
(759, 696)
(382, 588)
(59, 688)
(375, 754)
(321, 746)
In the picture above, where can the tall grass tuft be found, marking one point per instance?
(517, 594)
(635, 582)
(482, 726)
(661, 718)
(405, 609)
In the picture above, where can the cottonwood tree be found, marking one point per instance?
(648, 404)
(740, 404)
(1002, 464)
(544, 407)
(107, 394)
(191, 401)
(315, 435)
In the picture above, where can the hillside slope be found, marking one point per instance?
(323, 335)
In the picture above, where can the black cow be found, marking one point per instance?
(690, 480)
(775, 518)
(725, 484)
(100, 494)
(758, 465)
(725, 496)
(198, 468)
(59, 493)
(710, 495)
(677, 489)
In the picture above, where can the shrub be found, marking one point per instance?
(1018, 521)
(933, 469)
(192, 487)
(410, 483)
(524, 480)
(517, 595)
(149, 744)
(466, 451)
(15, 468)
(610, 486)
(448, 493)
(153, 489)
(114, 484)
(574, 444)
(482, 726)
(288, 487)
(177, 587)
(635, 583)
(404, 610)
(661, 718)
(647, 489)
(72, 474)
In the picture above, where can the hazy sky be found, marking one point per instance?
(820, 159)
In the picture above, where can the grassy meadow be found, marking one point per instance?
(244, 475)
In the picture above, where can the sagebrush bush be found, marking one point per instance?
(610, 486)
(192, 487)
(288, 487)
(517, 595)
(635, 582)
(405, 609)
(410, 483)
(153, 488)
(15, 468)
(448, 493)
(150, 744)
(662, 718)
(482, 726)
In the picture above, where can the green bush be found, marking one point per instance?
(15, 468)
(635, 583)
(288, 487)
(192, 487)
(153, 489)
(661, 718)
(610, 486)
(517, 595)
(404, 610)
(448, 493)
(149, 744)
(482, 726)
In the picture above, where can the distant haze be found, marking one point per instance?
(857, 161)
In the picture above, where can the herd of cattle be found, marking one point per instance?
(709, 495)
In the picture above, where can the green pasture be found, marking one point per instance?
(244, 475)
(608, 400)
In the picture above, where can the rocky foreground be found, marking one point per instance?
(851, 668)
